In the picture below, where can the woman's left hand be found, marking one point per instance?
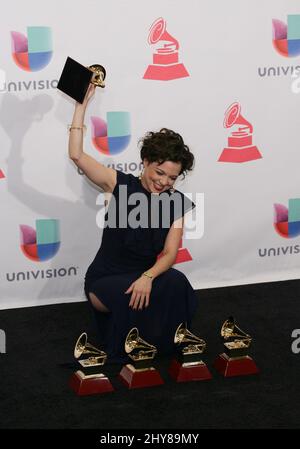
(141, 289)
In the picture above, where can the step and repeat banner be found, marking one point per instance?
(225, 75)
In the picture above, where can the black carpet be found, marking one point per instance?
(34, 391)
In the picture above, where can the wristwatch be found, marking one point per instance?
(148, 275)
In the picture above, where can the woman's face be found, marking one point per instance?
(157, 177)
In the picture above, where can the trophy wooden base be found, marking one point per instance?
(188, 372)
(142, 378)
(84, 385)
(240, 155)
(239, 366)
(165, 73)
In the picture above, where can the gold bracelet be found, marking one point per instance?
(83, 127)
(148, 275)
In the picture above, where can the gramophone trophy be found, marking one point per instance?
(89, 379)
(165, 57)
(188, 365)
(235, 361)
(140, 373)
(240, 148)
(75, 79)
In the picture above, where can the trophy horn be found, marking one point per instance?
(139, 372)
(83, 347)
(230, 331)
(134, 341)
(99, 75)
(183, 335)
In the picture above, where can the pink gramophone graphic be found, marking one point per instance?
(2, 175)
(240, 148)
(165, 65)
(183, 254)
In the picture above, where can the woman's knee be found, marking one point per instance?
(96, 302)
(174, 276)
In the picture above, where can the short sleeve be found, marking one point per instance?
(182, 204)
(124, 178)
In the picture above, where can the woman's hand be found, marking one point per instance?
(89, 94)
(141, 289)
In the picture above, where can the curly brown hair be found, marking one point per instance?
(166, 145)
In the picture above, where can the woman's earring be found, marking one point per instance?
(141, 174)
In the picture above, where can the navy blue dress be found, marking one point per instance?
(125, 253)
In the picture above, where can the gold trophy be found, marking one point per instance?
(235, 361)
(89, 379)
(76, 78)
(188, 365)
(99, 75)
(140, 373)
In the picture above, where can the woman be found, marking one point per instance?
(127, 284)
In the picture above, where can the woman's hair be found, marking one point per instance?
(166, 145)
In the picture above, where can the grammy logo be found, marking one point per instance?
(89, 379)
(140, 373)
(165, 57)
(235, 360)
(188, 364)
(240, 147)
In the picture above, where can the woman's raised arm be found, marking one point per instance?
(102, 176)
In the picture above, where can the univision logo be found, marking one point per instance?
(286, 41)
(34, 51)
(287, 225)
(287, 220)
(286, 37)
(112, 136)
(126, 167)
(279, 251)
(41, 274)
(42, 243)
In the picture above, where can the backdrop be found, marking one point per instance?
(225, 75)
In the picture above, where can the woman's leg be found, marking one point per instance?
(101, 317)
(97, 304)
(113, 317)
